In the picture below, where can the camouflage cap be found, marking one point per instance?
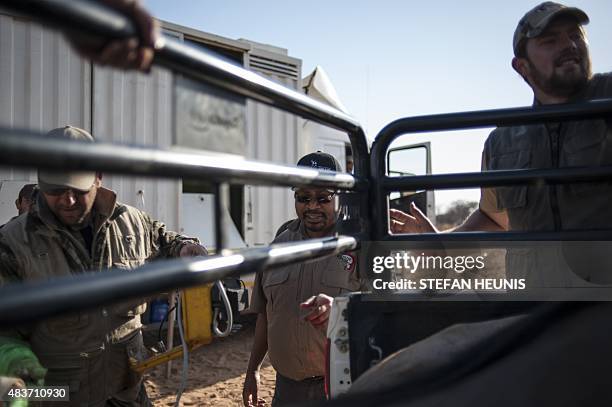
(535, 21)
(79, 180)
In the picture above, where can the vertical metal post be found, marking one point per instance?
(359, 201)
(221, 191)
(380, 210)
(170, 336)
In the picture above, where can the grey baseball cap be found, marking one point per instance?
(535, 21)
(79, 180)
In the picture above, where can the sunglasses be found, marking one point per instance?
(62, 191)
(322, 200)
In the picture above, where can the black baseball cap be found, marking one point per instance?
(321, 161)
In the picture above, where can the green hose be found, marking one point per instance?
(18, 360)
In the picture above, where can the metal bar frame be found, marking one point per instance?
(498, 178)
(26, 148)
(33, 301)
(383, 184)
(98, 24)
(20, 147)
(22, 303)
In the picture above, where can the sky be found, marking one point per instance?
(392, 59)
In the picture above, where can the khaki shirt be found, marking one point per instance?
(556, 207)
(296, 348)
(87, 350)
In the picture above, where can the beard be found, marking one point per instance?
(565, 80)
(74, 218)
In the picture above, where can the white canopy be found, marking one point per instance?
(318, 86)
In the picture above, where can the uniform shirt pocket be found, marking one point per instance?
(276, 283)
(338, 276)
(514, 196)
(586, 143)
(588, 147)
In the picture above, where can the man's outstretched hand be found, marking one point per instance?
(413, 222)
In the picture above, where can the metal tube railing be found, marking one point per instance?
(22, 303)
(221, 201)
(567, 235)
(497, 178)
(591, 109)
(382, 184)
(25, 148)
(99, 23)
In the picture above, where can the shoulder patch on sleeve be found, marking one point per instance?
(349, 261)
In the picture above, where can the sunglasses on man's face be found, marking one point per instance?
(321, 199)
(62, 191)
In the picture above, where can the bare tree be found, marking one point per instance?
(457, 212)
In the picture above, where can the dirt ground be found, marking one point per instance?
(216, 371)
(216, 374)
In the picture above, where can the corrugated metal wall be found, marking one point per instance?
(272, 135)
(43, 84)
(136, 109)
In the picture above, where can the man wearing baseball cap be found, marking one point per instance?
(551, 54)
(76, 225)
(293, 302)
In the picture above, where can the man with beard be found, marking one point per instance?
(75, 225)
(552, 56)
(293, 302)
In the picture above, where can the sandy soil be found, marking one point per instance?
(216, 374)
(216, 371)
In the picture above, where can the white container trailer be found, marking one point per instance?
(44, 84)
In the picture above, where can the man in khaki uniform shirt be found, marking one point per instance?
(293, 302)
(76, 225)
(552, 56)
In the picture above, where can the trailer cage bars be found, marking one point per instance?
(25, 148)
(383, 184)
(35, 301)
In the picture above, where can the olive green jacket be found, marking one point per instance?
(86, 350)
